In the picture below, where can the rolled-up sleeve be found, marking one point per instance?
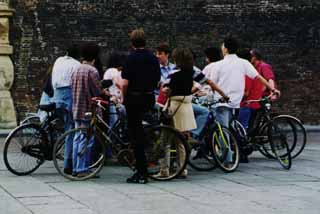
(251, 72)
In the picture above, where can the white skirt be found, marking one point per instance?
(184, 119)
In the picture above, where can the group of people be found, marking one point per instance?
(143, 81)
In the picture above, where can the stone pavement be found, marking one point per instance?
(261, 186)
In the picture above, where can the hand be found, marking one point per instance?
(225, 99)
(114, 99)
(106, 92)
(200, 94)
(275, 94)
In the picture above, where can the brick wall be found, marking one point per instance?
(288, 32)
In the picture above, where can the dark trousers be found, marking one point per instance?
(136, 107)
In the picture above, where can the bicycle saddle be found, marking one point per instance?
(48, 108)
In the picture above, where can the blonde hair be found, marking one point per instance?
(137, 38)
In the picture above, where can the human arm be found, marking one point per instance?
(214, 87)
(253, 74)
(200, 78)
(268, 85)
(94, 84)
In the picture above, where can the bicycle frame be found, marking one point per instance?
(95, 120)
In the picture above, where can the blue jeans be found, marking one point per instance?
(63, 99)
(245, 115)
(113, 116)
(223, 116)
(81, 163)
(44, 100)
(201, 114)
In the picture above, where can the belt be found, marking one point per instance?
(137, 93)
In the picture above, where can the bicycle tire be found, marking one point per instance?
(95, 165)
(265, 146)
(34, 118)
(29, 141)
(201, 156)
(221, 140)
(301, 135)
(288, 133)
(279, 146)
(165, 144)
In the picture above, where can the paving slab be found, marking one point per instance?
(261, 186)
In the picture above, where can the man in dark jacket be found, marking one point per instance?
(141, 74)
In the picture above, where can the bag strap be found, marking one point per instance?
(178, 106)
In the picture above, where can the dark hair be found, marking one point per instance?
(183, 58)
(73, 51)
(90, 51)
(256, 53)
(231, 44)
(213, 54)
(137, 38)
(244, 54)
(164, 47)
(116, 60)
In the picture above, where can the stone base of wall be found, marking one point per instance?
(7, 113)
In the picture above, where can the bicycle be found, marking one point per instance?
(31, 118)
(215, 144)
(296, 135)
(29, 145)
(163, 141)
(266, 134)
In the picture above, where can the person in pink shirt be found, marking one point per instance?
(263, 68)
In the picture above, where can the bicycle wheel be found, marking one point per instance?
(279, 145)
(166, 151)
(91, 153)
(33, 118)
(23, 149)
(300, 135)
(225, 149)
(287, 131)
(201, 156)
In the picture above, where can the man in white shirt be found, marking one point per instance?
(61, 81)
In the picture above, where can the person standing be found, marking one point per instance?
(62, 70)
(85, 84)
(141, 74)
(180, 87)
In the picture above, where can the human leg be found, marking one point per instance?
(135, 114)
(223, 116)
(201, 115)
(244, 116)
(68, 125)
(81, 161)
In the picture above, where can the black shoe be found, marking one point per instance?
(244, 159)
(137, 178)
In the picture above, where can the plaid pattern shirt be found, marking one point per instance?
(85, 83)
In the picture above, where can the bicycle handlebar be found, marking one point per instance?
(208, 102)
(260, 100)
(99, 101)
